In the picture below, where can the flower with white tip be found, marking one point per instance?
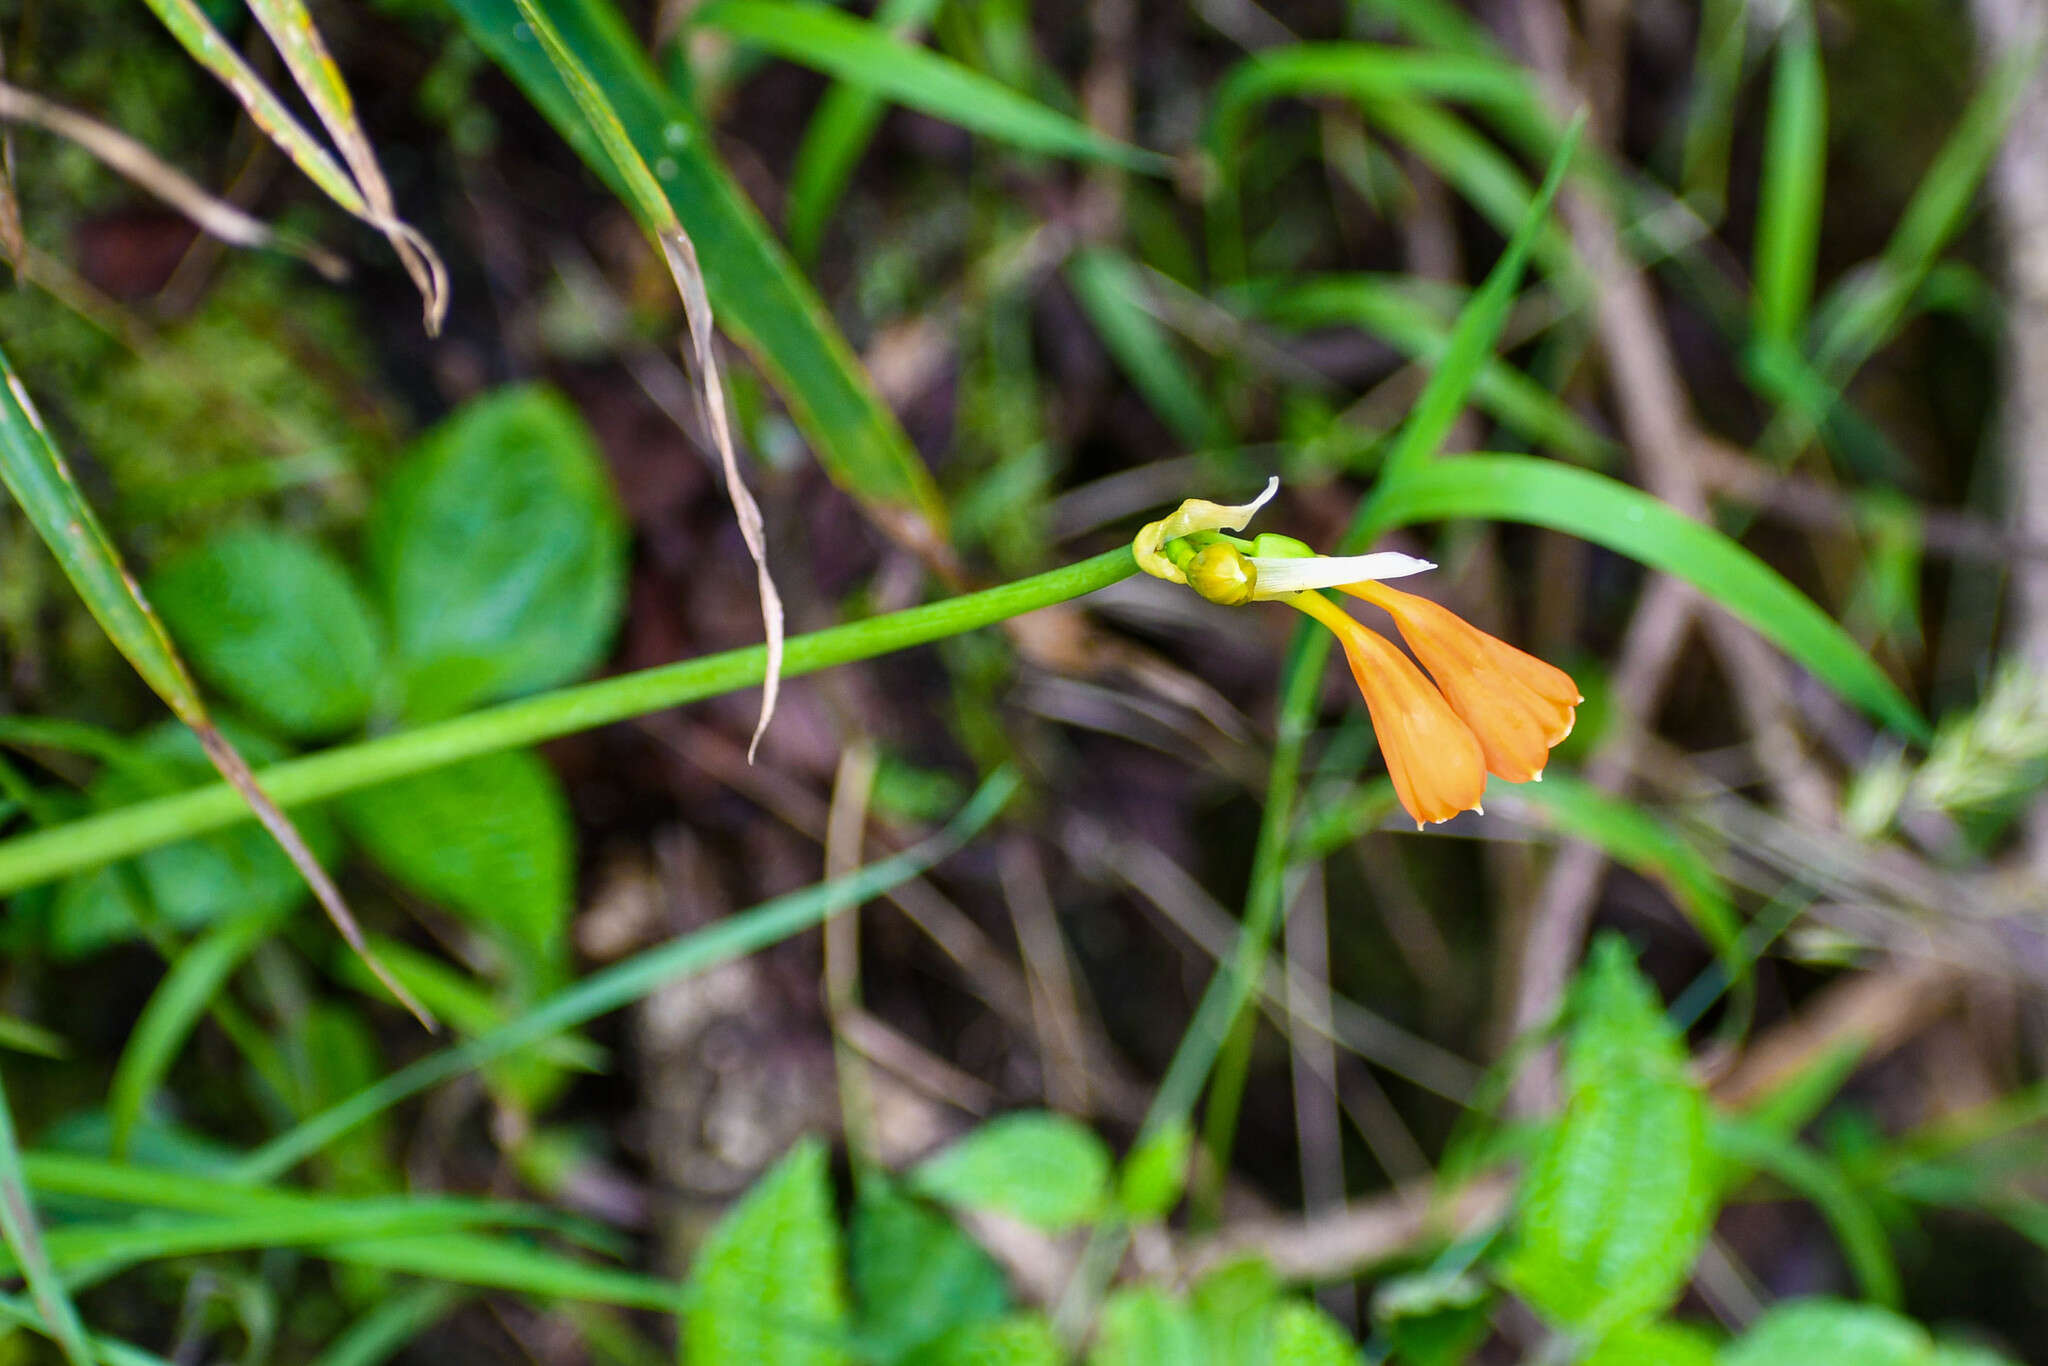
(1491, 708)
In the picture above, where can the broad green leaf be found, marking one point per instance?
(489, 838)
(1019, 1340)
(1514, 488)
(1233, 1308)
(1156, 1172)
(915, 1274)
(865, 55)
(274, 623)
(1111, 291)
(1618, 1203)
(1794, 179)
(1042, 1168)
(1807, 1332)
(760, 297)
(1141, 1326)
(1964, 1354)
(193, 883)
(1433, 1317)
(1304, 1335)
(766, 1284)
(1652, 1344)
(500, 553)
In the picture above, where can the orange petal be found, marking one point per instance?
(1516, 704)
(1436, 763)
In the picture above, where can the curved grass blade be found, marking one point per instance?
(605, 991)
(680, 252)
(108, 1351)
(763, 301)
(173, 1009)
(1865, 1247)
(31, 1254)
(836, 136)
(389, 1326)
(1111, 293)
(42, 856)
(1514, 488)
(1360, 71)
(369, 201)
(501, 1264)
(35, 473)
(865, 55)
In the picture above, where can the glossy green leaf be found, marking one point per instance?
(1304, 1335)
(1018, 1340)
(1156, 1172)
(1141, 1326)
(868, 56)
(765, 1286)
(1616, 1206)
(499, 552)
(760, 297)
(489, 838)
(273, 622)
(1652, 1344)
(1233, 1308)
(915, 1274)
(1433, 1317)
(1042, 1168)
(1513, 488)
(1806, 1332)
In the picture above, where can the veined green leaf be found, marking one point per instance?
(759, 295)
(1043, 1168)
(1141, 1326)
(1805, 1332)
(865, 55)
(1513, 488)
(1620, 1200)
(766, 1284)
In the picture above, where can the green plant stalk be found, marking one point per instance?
(79, 845)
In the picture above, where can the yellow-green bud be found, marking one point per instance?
(1222, 573)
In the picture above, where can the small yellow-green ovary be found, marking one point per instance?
(1222, 573)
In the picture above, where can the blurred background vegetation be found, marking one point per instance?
(997, 284)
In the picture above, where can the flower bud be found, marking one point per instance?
(1222, 573)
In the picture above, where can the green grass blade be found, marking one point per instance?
(1710, 119)
(1358, 71)
(389, 1326)
(1473, 336)
(1855, 1223)
(605, 991)
(837, 135)
(1593, 507)
(1389, 308)
(865, 55)
(41, 856)
(1112, 293)
(1635, 838)
(500, 1264)
(760, 297)
(173, 1008)
(108, 1351)
(1862, 316)
(1794, 179)
(30, 1252)
(35, 473)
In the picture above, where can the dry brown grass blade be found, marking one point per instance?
(681, 255)
(235, 769)
(137, 163)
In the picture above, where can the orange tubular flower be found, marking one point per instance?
(1492, 708)
(1433, 757)
(1517, 706)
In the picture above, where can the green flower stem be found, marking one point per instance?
(66, 849)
